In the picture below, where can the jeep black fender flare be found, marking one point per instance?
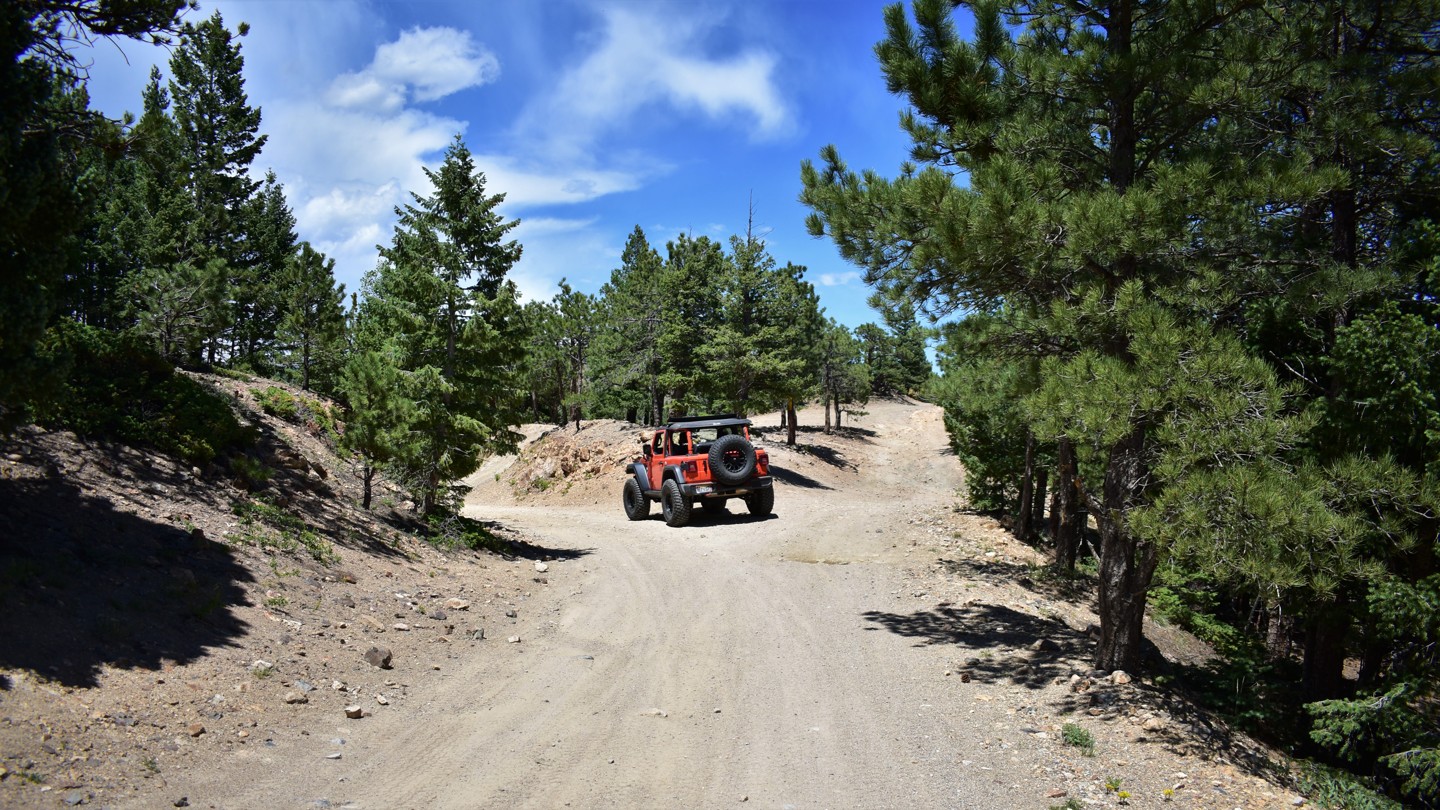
(673, 471)
(638, 470)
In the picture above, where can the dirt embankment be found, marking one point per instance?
(870, 644)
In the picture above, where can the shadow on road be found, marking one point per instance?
(797, 479)
(1034, 651)
(84, 586)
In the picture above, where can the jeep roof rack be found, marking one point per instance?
(707, 421)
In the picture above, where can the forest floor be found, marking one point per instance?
(870, 644)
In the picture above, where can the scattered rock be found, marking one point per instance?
(1045, 645)
(1120, 676)
(378, 657)
(457, 604)
(382, 700)
(541, 568)
(333, 755)
(1057, 793)
(296, 697)
(402, 627)
(261, 666)
(1154, 724)
(354, 712)
(195, 729)
(510, 614)
(183, 801)
(76, 797)
(304, 686)
(513, 639)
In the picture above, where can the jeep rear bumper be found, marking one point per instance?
(712, 490)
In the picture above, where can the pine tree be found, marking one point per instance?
(757, 351)
(379, 414)
(313, 326)
(627, 353)
(461, 343)
(219, 140)
(1090, 163)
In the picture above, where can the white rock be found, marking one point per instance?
(541, 567)
(513, 639)
(382, 700)
(354, 712)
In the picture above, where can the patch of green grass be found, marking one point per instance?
(271, 528)
(276, 601)
(233, 374)
(1333, 788)
(449, 530)
(1070, 804)
(1077, 736)
(278, 403)
(150, 765)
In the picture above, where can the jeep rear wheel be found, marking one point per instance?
(674, 504)
(636, 507)
(732, 459)
(762, 502)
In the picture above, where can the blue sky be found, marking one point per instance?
(592, 117)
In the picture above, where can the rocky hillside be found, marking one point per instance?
(156, 613)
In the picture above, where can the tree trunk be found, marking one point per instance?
(1323, 671)
(1064, 522)
(1023, 527)
(367, 474)
(827, 414)
(1278, 625)
(790, 435)
(1126, 562)
(1037, 519)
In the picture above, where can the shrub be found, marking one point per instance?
(118, 388)
(1077, 736)
(279, 403)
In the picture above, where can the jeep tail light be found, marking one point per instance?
(688, 468)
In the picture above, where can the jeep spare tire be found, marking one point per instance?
(732, 459)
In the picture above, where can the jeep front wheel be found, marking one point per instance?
(636, 507)
(762, 502)
(732, 459)
(674, 504)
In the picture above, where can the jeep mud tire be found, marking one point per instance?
(732, 459)
(674, 505)
(636, 507)
(762, 502)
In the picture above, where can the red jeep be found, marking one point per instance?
(704, 459)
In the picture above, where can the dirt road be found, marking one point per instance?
(865, 646)
(727, 662)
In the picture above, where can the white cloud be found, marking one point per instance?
(527, 186)
(839, 279)
(646, 59)
(424, 64)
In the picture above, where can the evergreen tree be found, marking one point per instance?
(441, 295)
(758, 350)
(313, 326)
(219, 140)
(843, 376)
(627, 356)
(218, 131)
(1084, 139)
(689, 306)
(379, 414)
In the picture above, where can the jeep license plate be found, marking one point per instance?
(704, 490)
